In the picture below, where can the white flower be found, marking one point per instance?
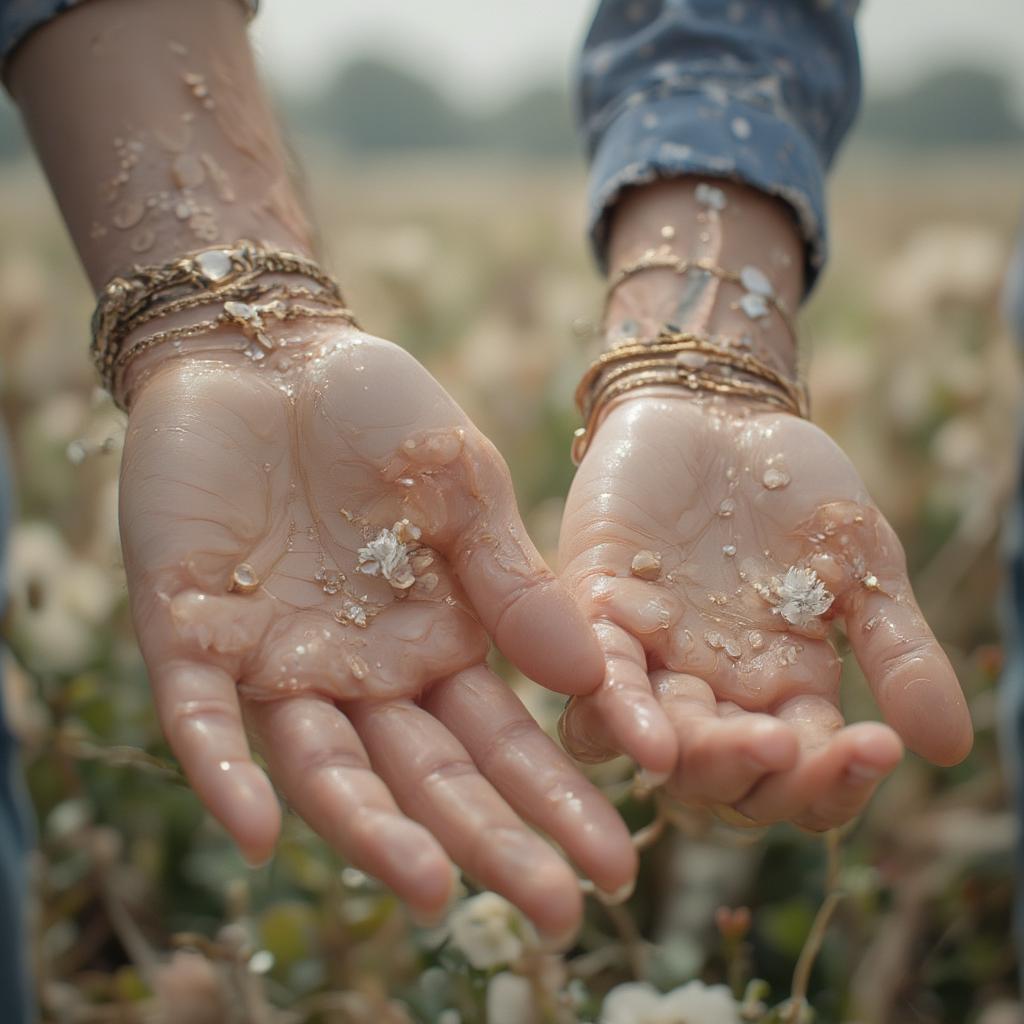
(799, 596)
(510, 1000)
(57, 599)
(692, 1003)
(489, 931)
(387, 555)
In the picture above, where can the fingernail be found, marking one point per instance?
(428, 919)
(620, 895)
(431, 919)
(646, 781)
(863, 772)
(559, 943)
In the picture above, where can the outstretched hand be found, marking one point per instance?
(319, 552)
(714, 546)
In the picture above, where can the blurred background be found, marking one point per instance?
(447, 181)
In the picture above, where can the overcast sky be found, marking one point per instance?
(482, 51)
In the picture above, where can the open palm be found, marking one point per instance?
(321, 551)
(714, 546)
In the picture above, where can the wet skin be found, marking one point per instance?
(392, 739)
(706, 683)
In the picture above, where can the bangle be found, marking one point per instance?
(243, 279)
(758, 297)
(683, 360)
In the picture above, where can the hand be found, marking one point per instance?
(320, 550)
(719, 668)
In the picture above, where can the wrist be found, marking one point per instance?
(722, 224)
(291, 346)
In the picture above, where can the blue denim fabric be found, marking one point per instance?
(20, 17)
(760, 91)
(15, 827)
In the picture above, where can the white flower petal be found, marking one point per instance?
(635, 1002)
(510, 1000)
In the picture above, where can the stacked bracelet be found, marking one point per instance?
(247, 284)
(680, 360)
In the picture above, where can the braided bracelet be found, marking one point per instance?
(243, 279)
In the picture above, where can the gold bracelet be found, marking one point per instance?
(663, 258)
(223, 319)
(679, 360)
(210, 274)
(249, 292)
(673, 344)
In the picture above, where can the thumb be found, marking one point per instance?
(530, 615)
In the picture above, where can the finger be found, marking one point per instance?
(436, 782)
(720, 758)
(837, 771)
(534, 776)
(325, 774)
(909, 673)
(622, 717)
(198, 709)
(533, 619)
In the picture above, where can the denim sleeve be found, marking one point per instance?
(759, 91)
(20, 17)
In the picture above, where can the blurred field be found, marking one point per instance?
(480, 269)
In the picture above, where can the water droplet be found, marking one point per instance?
(870, 581)
(224, 766)
(774, 478)
(756, 639)
(732, 649)
(714, 640)
(727, 507)
(729, 550)
(187, 171)
(128, 213)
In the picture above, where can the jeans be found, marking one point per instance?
(15, 829)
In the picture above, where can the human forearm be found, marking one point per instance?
(157, 138)
(681, 217)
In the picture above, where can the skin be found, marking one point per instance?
(392, 739)
(707, 686)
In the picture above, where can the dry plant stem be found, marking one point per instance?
(816, 936)
(633, 942)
